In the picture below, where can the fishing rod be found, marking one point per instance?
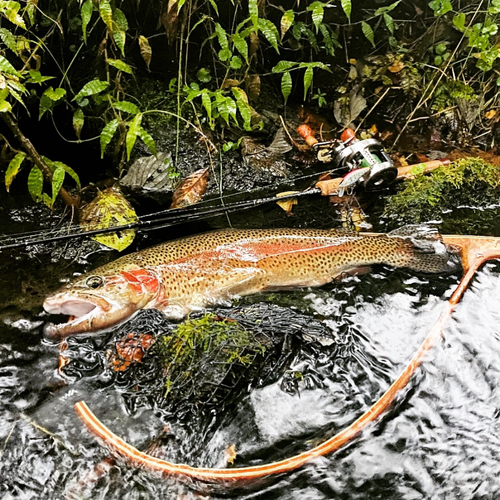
(145, 223)
(168, 218)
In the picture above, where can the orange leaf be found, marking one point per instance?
(491, 114)
(396, 67)
(191, 190)
(130, 349)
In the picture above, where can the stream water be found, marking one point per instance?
(440, 441)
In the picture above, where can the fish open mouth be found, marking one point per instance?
(84, 315)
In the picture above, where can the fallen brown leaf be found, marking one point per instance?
(191, 190)
(287, 205)
(231, 454)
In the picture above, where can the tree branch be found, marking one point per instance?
(37, 159)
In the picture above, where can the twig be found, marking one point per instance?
(57, 439)
(7, 438)
(35, 156)
(425, 95)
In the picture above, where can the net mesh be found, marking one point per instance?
(210, 360)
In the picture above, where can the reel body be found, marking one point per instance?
(365, 161)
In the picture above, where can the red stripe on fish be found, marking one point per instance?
(139, 279)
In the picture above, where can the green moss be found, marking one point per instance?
(205, 347)
(469, 181)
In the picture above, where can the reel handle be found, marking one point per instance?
(305, 131)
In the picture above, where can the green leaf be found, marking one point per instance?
(224, 55)
(308, 77)
(441, 48)
(213, 3)
(106, 14)
(36, 77)
(55, 95)
(5, 106)
(120, 65)
(9, 39)
(207, 103)
(46, 104)
(241, 45)
(318, 11)
(389, 22)
(440, 7)
(253, 11)
(222, 107)
(69, 171)
(203, 75)
(30, 9)
(235, 62)
(283, 66)
(347, 8)
(127, 107)
(13, 16)
(330, 39)
(6, 67)
(286, 85)
(269, 30)
(286, 22)
(107, 134)
(494, 7)
(221, 36)
(13, 169)
(120, 20)
(35, 183)
(148, 140)
(57, 182)
(383, 10)
(86, 13)
(315, 65)
(368, 32)
(132, 133)
(91, 88)
(46, 199)
(78, 121)
(120, 38)
(243, 106)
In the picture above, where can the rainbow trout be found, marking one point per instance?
(191, 273)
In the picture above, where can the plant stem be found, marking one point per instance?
(36, 158)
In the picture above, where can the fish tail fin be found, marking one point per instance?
(428, 253)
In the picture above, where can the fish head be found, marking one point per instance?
(101, 299)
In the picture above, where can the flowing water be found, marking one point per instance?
(439, 441)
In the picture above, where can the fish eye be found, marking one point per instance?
(94, 282)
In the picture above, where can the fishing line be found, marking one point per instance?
(145, 223)
(160, 219)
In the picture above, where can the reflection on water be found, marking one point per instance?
(441, 439)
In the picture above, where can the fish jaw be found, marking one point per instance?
(120, 295)
(88, 312)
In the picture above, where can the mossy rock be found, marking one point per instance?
(469, 181)
(205, 348)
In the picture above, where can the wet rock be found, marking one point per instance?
(267, 158)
